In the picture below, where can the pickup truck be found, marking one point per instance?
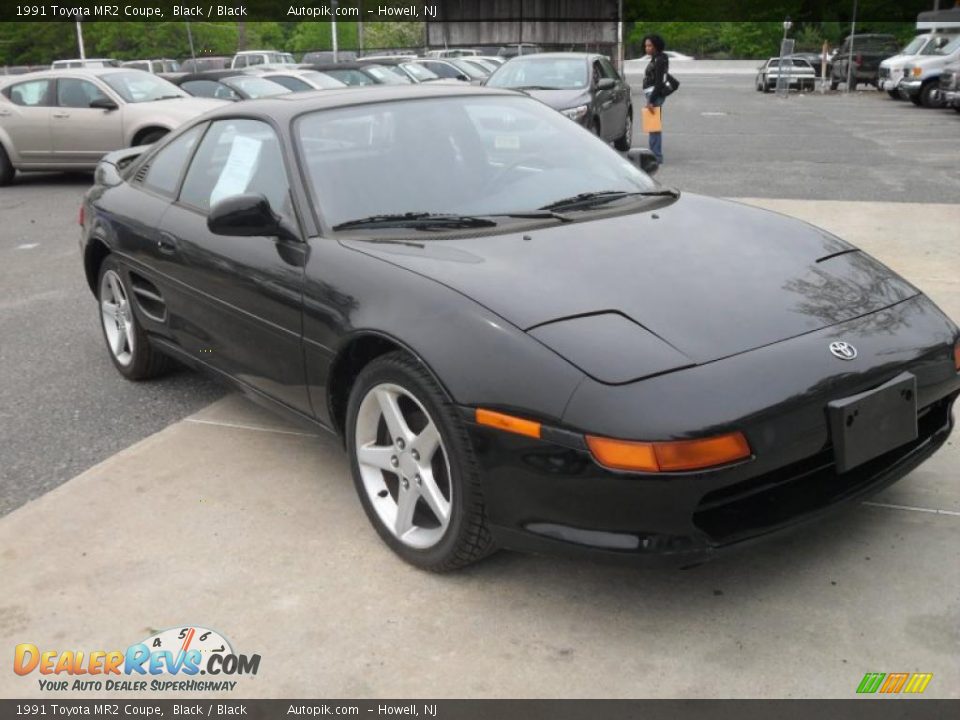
(865, 52)
(921, 77)
(891, 69)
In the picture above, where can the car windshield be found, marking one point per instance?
(321, 80)
(543, 73)
(386, 77)
(913, 47)
(255, 87)
(351, 76)
(137, 86)
(456, 156)
(467, 68)
(419, 72)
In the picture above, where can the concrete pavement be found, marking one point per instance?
(234, 520)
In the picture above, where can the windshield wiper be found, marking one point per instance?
(540, 214)
(417, 221)
(589, 199)
(537, 87)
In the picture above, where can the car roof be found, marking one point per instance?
(284, 107)
(557, 56)
(83, 72)
(214, 75)
(323, 67)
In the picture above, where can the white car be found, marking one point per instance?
(69, 119)
(300, 80)
(800, 74)
(84, 63)
(891, 69)
(248, 58)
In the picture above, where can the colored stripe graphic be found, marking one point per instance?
(870, 682)
(894, 682)
(918, 682)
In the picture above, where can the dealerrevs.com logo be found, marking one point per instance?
(172, 660)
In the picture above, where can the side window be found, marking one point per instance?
(35, 93)
(74, 93)
(597, 72)
(168, 164)
(255, 60)
(237, 156)
(608, 69)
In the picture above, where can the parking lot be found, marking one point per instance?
(150, 505)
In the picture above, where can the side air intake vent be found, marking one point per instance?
(149, 299)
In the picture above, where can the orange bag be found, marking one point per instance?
(651, 120)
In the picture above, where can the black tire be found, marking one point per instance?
(467, 538)
(834, 84)
(151, 137)
(767, 88)
(894, 94)
(852, 85)
(915, 99)
(595, 128)
(930, 95)
(956, 108)
(7, 171)
(625, 141)
(145, 361)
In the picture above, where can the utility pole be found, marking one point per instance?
(620, 37)
(333, 27)
(193, 54)
(83, 54)
(853, 31)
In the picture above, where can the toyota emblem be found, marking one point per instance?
(843, 350)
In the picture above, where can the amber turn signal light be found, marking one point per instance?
(956, 356)
(502, 421)
(669, 456)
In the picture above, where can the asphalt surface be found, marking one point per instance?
(63, 407)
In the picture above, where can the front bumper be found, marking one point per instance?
(909, 88)
(553, 498)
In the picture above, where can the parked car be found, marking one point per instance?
(493, 59)
(84, 63)
(451, 53)
(487, 68)
(205, 63)
(21, 69)
(921, 76)
(68, 119)
(409, 67)
(509, 51)
(800, 74)
(249, 58)
(315, 57)
(816, 62)
(663, 374)
(584, 87)
(891, 69)
(454, 69)
(865, 52)
(157, 67)
(230, 85)
(357, 73)
(296, 80)
(950, 85)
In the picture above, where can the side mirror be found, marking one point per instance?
(605, 83)
(643, 159)
(103, 103)
(248, 215)
(463, 77)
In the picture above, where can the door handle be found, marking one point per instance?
(167, 244)
(61, 115)
(5, 113)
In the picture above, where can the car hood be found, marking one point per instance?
(561, 99)
(710, 278)
(933, 61)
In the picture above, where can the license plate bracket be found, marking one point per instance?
(874, 422)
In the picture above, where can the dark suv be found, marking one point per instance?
(868, 51)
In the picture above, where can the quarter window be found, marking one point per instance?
(237, 157)
(35, 93)
(168, 164)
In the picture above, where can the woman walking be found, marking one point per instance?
(655, 85)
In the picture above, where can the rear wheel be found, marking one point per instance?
(894, 94)
(7, 170)
(127, 343)
(624, 142)
(413, 466)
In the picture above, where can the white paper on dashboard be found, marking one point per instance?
(238, 170)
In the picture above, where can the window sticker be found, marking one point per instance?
(238, 170)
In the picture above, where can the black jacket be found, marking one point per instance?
(655, 76)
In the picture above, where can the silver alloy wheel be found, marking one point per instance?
(628, 130)
(117, 317)
(404, 466)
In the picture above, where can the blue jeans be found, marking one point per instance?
(656, 139)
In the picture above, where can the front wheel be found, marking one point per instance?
(7, 170)
(624, 142)
(414, 468)
(127, 343)
(930, 96)
(894, 94)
